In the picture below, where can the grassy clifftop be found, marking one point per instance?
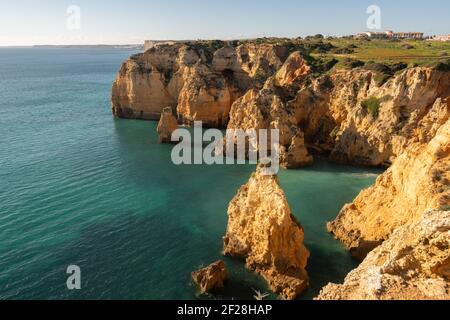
(407, 51)
(350, 53)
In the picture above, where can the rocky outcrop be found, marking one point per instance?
(210, 278)
(360, 121)
(413, 264)
(146, 84)
(205, 97)
(266, 109)
(167, 125)
(348, 114)
(417, 181)
(356, 116)
(296, 155)
(379, 137)
(293, 70)
(361, 116)
(263, 231)
(200, 79)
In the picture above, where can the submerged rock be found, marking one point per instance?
(413, 264)
(263, 231)
(210, 278)
(167, 125)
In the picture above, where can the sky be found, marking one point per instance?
(32, 22)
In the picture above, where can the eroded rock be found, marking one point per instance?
(202, 79)
(210, 278)
(296, 155)
(417, 181)
(263, 231)
(167, 125)
(413, 264)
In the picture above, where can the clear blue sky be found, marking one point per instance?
(27, 22)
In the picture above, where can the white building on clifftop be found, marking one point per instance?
(390, 35)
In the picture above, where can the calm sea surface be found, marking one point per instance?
(78, 187)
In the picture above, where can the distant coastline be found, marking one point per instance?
(94, 46)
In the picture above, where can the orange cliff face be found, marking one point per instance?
(263, 231)
(145, 84)
(348, 115)
(413, 264)
(200, 80)
(269, 86)
(418, 181)
(332, 113)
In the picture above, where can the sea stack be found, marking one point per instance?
(167, 125)
(263, 231)
(210, 278)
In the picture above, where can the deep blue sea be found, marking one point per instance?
(78, 187)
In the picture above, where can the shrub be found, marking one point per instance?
(260, 76)
(382, 78)
(398, 67)
(314, 46)
(372, 105)
(324, 65)
(345, 50)
(326, 83)
(407, 46)
(384, 71)
(350, 64)
(377, 67)
(442, 65)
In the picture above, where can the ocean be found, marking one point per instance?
(79, 187)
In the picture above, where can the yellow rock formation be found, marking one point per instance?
(413, 264)
(417, 181)
(263, 231)
(167, 125)
(210, 278)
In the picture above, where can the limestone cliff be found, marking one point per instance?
(360, 116)
(347, 114)
(362, 122)
(145, 84)
(199, 79)
(414, 263)
(262, 230)
(267, 109)
(356, 116)
(418, 180)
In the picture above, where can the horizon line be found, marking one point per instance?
(198, 39)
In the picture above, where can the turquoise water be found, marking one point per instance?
(80, 187)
